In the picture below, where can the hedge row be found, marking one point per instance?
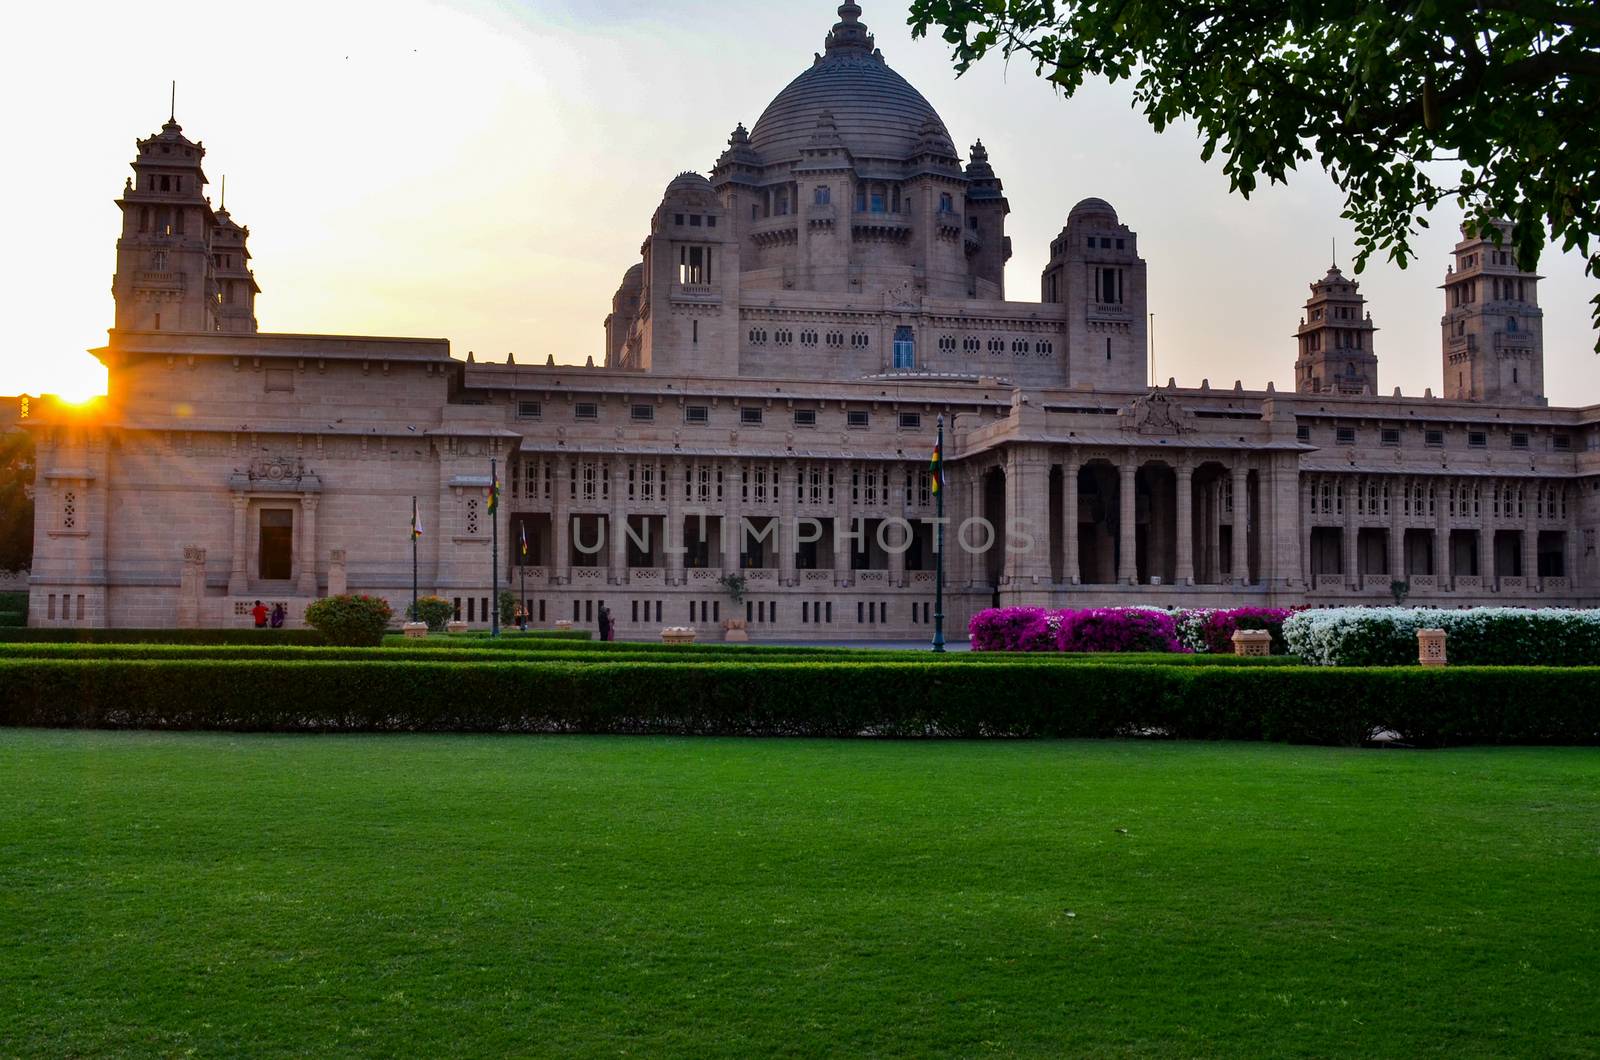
(63, 635)
(1479, 636)
(1295, 704)
(598, 652)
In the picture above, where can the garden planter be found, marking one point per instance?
(455, 626)
(735, 631)
(678, 635)
(415, 629)
(1430, 647)
(1252, 642)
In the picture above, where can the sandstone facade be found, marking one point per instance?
(773, 368)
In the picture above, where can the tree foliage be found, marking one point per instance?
(1405, 105)
(16, 500)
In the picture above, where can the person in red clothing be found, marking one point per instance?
(259, 613)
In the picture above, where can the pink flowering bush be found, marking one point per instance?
(1212, 629)
(1120, 629)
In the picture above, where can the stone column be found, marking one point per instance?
(1308, 505)
(732, 483)
(338, 579)
(672, 540)
(1441, 533)
(897, 540)
(616, 523)
(1213, 532)
(1397, 532)
(1347, 546)
(1128, 556)
(786, 516)
(1185, 522)
(1027, 514)
(239, 574)
(191, 586)
(1071, 573)
(307, 585)
(1486, 552)
(1530, 552)
(560, 523)
(841, 523)
(1241, 524)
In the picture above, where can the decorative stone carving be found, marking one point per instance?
(678, 635)
(1252, 642)
(1156, 413)
(1431, 647)
(275, 475)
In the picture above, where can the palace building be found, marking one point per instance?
(765, 404)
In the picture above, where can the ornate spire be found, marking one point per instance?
(849, 35)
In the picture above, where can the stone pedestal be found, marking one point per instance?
(563, 623)
(338, 582)
(455, 626)
(191, 587)
(1252, 642)
(735, 631)
(678, 635)
(415, 629)
(1430, 647)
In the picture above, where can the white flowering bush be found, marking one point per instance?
(1480, 636)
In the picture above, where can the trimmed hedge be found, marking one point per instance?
(161, 636)
(1479, 636)
(1296, 704)
(1120, 629)
(600, 652)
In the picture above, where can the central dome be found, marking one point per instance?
(877, 112)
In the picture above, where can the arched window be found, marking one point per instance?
(905, 348)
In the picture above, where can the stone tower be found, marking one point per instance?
(1335, 336)
(1493, 329)
(230, 260)
(165, 279)
(987, 244)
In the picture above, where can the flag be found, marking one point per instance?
(522, 537)
(494, 495)
(416, 522)
(936, 465)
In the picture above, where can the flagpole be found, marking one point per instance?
(416, 616)
(494, 550)
(938, 551)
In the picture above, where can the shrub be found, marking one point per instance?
(80, 635)
(821, 698)
(13, 619)
(1211, 629)
(352, 621)
(508, 607)
(1118, 629)
(1482, 636)
(434, 610)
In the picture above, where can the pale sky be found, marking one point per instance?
(484, 171)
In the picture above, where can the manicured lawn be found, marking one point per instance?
(167, 894)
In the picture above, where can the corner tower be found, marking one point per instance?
(1493, 328)
(1335, 337)
(230, 260)
(165, 280)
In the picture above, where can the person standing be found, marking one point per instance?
(259, 613)
(604, 616)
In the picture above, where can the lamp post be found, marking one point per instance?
(494, 549)
(938, 548)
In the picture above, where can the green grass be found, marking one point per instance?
(484, 896)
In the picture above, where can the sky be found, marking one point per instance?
(485, 170)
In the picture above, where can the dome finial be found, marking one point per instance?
(849, 33)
